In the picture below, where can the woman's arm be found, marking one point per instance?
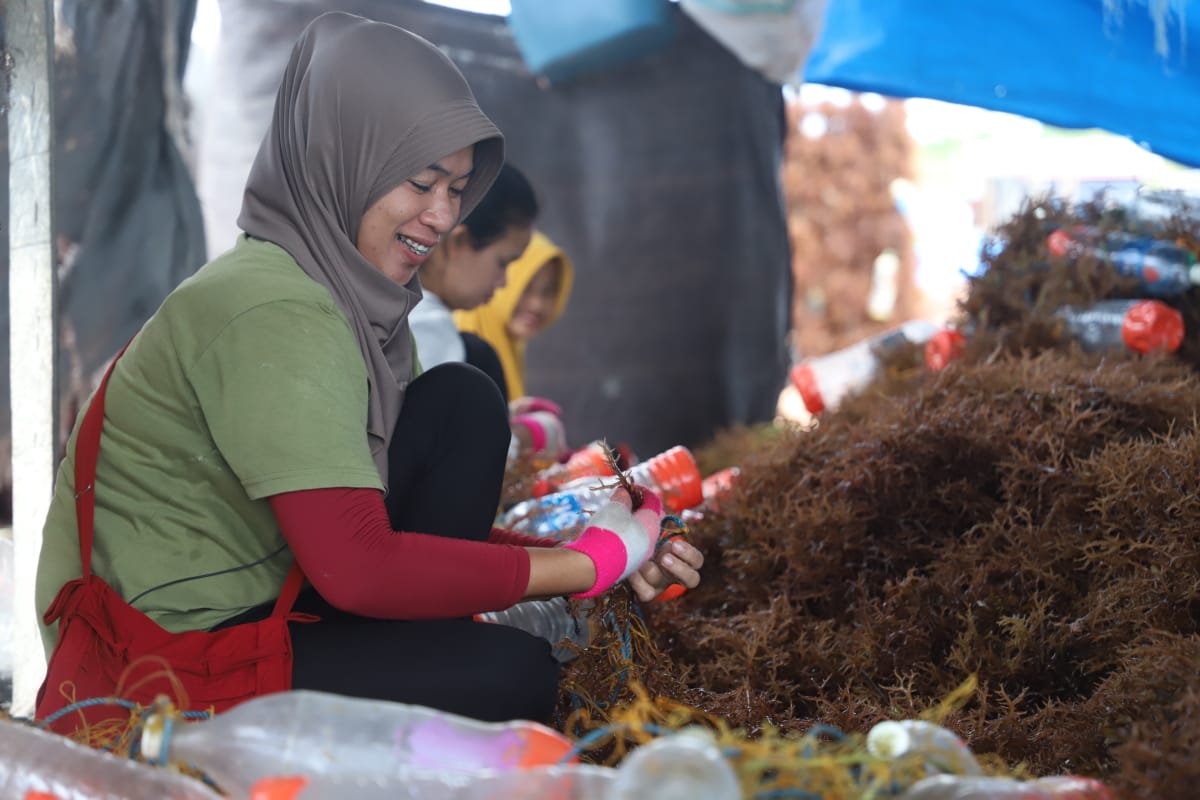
(348, 550)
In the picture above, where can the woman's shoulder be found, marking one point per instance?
(251, 274)
(255, 283)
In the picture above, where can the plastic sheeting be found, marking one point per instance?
(1070, 63)
(660, 178)
(128, 223)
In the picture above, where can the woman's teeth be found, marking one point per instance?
(416, 247)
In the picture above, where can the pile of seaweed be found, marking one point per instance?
(1028, 516)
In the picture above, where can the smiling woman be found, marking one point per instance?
(270, 495)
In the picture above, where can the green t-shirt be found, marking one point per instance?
(247, 382)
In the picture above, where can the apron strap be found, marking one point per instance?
(87, 452)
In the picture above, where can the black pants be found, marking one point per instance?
(445, 468)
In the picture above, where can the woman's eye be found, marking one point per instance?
(420, 187)
(456, 192)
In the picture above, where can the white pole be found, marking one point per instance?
(29, 26)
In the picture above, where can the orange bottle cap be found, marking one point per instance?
(674, 474)
(278, 788)
(1151, 325)
(943, 347)
(543, 747)
(587, 461)
(805, 381)
(670, 593)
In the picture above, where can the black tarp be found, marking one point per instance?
(127, 219)
(659, 177)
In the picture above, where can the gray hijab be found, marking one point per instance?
(362, 107)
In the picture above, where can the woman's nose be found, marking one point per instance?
(441, 214)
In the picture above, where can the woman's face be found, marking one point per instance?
(537, 302)
(402, 227)
(471, 276)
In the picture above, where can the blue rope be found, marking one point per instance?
(589, 739)
(95, 701)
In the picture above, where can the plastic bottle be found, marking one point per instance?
(315, 734)
(560, 516)
(34, 762)
(1163, 269)
(589, 461)
(824, 380)
(553, 620)
(1139, 325)
(674, 475)
(941, 749)
(687, 765)
(954, 787)
(576, 781)
(563, 514)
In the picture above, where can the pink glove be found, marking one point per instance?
(545, 433)
(524, 405)
(618, 539)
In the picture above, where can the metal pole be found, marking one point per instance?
(29, 28)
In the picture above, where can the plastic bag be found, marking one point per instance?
(771, 36)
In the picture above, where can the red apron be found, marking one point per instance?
(107, 648)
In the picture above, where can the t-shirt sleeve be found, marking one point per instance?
(283, 390)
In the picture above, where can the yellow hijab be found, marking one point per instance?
(490, 320)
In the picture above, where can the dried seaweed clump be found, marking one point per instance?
(1031, 521)
(1029, 516)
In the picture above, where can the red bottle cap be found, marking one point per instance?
(805, 381)
(1151, 325)
(719, 482)
(1059, 243)
(943, 347)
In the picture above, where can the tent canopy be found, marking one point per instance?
(1074, 63)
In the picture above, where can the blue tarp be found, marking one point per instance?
(1065, 63)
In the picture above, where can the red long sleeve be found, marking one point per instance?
(345, 544)
(505, 536)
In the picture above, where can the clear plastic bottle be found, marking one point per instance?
(684, 766)
(823, 381)
(560, 516)
(941, 749)
(315, 734)
(34, 762)
(955, 787)
(567, 629)
(1138, 325)
(1162, 268)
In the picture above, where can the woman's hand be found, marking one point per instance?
(540, 433)
(619, 539)
(526, 405)
(677, 562)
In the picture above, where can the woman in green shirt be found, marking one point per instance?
(269, 412)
